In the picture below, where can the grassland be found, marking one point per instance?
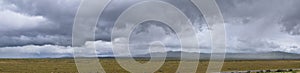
(111, 66)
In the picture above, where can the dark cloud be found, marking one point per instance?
(61, 15)
(116, 7)
(60, 12)
(55, 20)
(286, 11)
(34, 40)
(251, 25)
(291, 23)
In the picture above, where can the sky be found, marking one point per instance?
(43, 28)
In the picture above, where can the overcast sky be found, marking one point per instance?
(43, 28)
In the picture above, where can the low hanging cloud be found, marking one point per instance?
(23, 40)
(35, 51)
(103, 49)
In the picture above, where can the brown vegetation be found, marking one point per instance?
(111, 66)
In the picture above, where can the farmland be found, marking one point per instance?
(111, 66)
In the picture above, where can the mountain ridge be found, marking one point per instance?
(273, 55)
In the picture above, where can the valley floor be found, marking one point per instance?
(111, 66)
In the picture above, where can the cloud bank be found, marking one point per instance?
(43, 28)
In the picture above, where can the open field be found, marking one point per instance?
(111, 66)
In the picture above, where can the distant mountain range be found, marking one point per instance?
(275, 55)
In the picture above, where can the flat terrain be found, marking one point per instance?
(111, 66)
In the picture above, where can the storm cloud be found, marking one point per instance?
(36, 26)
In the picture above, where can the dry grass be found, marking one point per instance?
(111, 66)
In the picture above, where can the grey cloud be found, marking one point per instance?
(286, 10)
(57, 21)
(61, 15)
(291, 22)
(260, 25)
(257, 24)
(22, 40)
(60, 12)
(116, 7)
